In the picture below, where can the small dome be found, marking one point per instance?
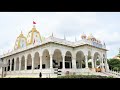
(21, 41)
(83, 36)
(90, 37)
(98, 41)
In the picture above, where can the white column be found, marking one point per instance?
(19, 64)
(63, 64)
(95, 63)
(106, 64)
(7, 66)
(74, 62)
(15, 64)
(25, 63)
(102, 62)
(32, 63)
(51, 61)
(92, 60)
(86, 61)
(10, 65)
(41, 62)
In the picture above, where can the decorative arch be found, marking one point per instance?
(36, 60)
(57, 58)
(68, 60)
(45, 59)
(97, 60)
(29, 62)
(23, 63)
(80, 59)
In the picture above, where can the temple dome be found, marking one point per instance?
(21, 41)
(83, 36)
(34, 37)
(91, 37)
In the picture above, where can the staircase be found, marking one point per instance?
(108, 73)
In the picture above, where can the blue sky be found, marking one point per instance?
(103, 25)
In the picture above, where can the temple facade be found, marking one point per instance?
(34, 54)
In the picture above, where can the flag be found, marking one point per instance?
(34, 22)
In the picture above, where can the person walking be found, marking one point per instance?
(40, 75)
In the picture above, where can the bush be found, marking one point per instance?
(115, 68)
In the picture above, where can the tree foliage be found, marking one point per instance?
(114, 64)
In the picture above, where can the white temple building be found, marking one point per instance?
(34, 54)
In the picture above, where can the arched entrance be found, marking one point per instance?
(57, 59)
(80, 60)
(23, 63)
(17, 64)
(36, 61)
(68, 60)
(45, 59)
(29, 62)
(97, 62)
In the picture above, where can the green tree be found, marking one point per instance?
(114, 64)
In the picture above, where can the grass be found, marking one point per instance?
(84, 76)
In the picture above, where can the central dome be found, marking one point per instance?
(33, 37)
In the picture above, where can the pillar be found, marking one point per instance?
(10, 65)
(63, 64)
(15, 64)
(95, 63)
(25, 63)
(74, 62)
(19, 64)
(51, 61)
(7, 66)
(40, 61)
(106, 65)
(102, 67)
(86, 61)
(32, 62)
(92, 60)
